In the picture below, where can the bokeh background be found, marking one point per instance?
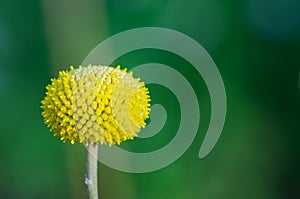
(256, 46)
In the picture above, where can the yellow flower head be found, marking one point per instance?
(96, 104)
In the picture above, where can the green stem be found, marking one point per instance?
(91, 171)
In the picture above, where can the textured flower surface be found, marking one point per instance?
(96, 104)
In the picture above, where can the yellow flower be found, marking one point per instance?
(96, 104)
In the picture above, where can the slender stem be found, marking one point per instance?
(91, 171)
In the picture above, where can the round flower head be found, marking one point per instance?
(96, 104)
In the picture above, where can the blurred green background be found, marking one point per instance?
(256, 46)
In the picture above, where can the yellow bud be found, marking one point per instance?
(95, 104)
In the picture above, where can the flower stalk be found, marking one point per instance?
(92, 171)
